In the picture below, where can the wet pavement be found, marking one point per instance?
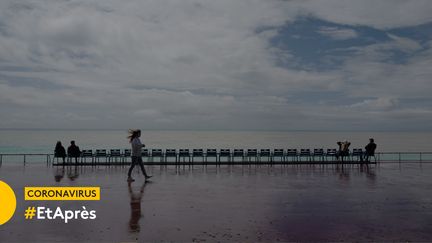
(387, 202)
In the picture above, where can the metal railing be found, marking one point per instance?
(27, 156)
(404, 157)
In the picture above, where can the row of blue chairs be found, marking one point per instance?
(226, 154)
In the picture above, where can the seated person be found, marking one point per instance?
(343, 149)
(74, 151)
(59, 151)
(370, 149)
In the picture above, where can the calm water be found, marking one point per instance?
(12, 141)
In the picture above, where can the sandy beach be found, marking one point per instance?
(232, 204)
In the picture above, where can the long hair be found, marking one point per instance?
(133, 134)
(58, 145)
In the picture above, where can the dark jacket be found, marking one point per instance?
(74, 151)
(370, 149)
(60, 151)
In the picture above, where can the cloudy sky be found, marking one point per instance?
(225, 64)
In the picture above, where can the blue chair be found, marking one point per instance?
(114, 154)
(252, 153)
(238, 153)
(226, 153)
(305, 153)
(279, 153)
(211, 153)
(357, 153)
(318, 153)
(265, 153)
(184, 153)
(126, 154)
(292, 153)
(87, 153)
(100, 153)
(331, 153)
(157, 153)
(197, 153)
(170, 153)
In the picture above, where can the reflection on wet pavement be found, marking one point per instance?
(234, 203)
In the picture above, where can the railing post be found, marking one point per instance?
(399, 157)
(421, 159)
(24, 158)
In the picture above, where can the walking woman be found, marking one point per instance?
(136, 144)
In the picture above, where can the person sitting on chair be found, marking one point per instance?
(343, 149)
(74, 151)
(370, 149)
(59, 151)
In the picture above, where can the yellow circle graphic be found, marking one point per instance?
(7, 202)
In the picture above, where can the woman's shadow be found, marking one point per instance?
(135, 204)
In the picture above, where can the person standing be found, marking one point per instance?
(74, 151)
(370, 149)
(136, 144)
(59, 151)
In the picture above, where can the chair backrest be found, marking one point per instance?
(115, 152)
(197, 152)
(156, 153)
(170, 153)
(145, 153)
(305, 152)
(184, 153)
(357, 152)
(318, 152)
(100, 152)
(211, 152)
(225, 153)
(265, 152)
(278, 152)
(331, 152)
(127, 152)
(252, 152)
(87, 153)
(238, 153)
(292, 152)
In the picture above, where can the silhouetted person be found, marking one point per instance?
(343, 149)
(74, 151)
(370, 149)
(135, 204)
(137, 146)
(59, 151)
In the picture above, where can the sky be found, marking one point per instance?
(216, 65)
